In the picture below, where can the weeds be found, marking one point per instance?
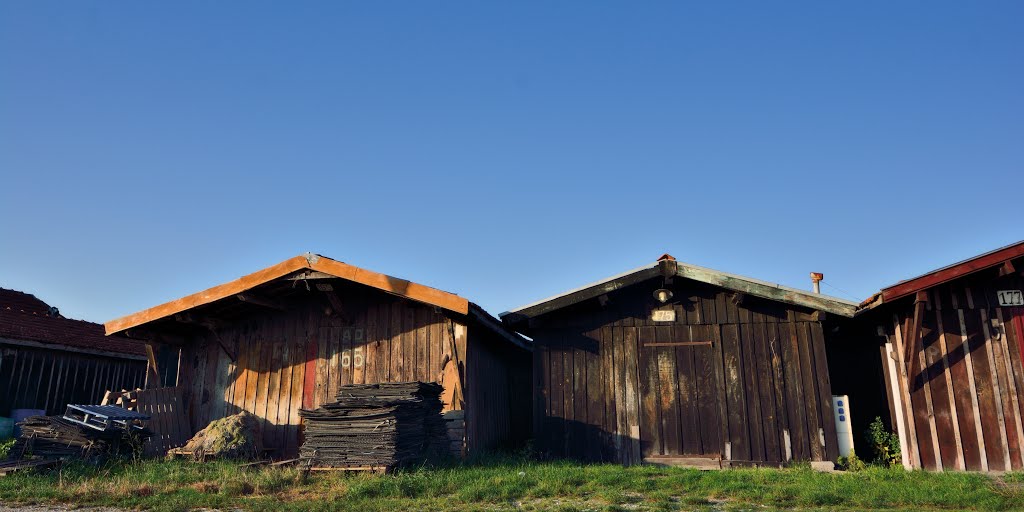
(851, 463)
(507, 483)
(5, 448)
(886, 444)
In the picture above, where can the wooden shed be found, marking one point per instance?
(950, 344)
(48, 361)
(677, 364)
(286, 337)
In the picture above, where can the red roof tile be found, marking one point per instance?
(23, 317)
(14, 300)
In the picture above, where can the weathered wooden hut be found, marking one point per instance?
(48, 361)
(677, 364)
(286, 337)
(950, 344)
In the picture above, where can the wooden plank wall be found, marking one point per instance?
(962, 397)
(498, 392)
(747, 383)
(299, 358)
(35, 378)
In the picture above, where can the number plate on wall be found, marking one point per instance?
(663, 315)
(1010, 298)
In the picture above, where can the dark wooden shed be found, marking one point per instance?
(48, 361)
(950, 345)
(288, 336)
(677, 364)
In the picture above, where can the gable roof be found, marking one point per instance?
(668, 266)
(308, 262)
(25, 318)
(950, 272)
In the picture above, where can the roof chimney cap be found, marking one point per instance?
(667, 257)
(817, 276)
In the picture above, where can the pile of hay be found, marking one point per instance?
(234, 437)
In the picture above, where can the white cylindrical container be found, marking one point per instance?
(844, 431)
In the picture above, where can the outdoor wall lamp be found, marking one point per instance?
(663, 295)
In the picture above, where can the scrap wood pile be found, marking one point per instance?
(124, 398)
(56, 437)
(379, 426)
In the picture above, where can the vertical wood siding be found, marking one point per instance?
(962, 397)
(33, 378)
(746, 383)
(497, 394)
(299, 358)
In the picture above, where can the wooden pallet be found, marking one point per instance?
(298, 462)
(10, 466)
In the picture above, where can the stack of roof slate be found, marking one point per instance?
(56, 437)
(378, 426)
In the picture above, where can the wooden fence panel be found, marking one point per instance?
(168, 420)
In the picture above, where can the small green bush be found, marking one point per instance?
(5, 448)
(851, 463)
(885, 444)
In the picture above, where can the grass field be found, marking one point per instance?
(509, 484)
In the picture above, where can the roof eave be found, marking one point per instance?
(955, 271)
(754, 287)
(484, 318)
(314, 262)
(581, 294)
(766, 290)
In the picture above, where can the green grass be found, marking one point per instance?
(509, 483)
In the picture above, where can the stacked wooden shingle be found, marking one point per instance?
(57, 437)
(375, 426)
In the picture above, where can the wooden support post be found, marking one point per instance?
(231, 355)
(336, 304)
(908, 409)
(912, 337)
(154, 370)
(1007, 269)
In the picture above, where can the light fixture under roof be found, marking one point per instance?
(663, 295)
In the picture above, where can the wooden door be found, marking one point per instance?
(679, 396)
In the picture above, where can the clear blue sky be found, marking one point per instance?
(505, 151)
